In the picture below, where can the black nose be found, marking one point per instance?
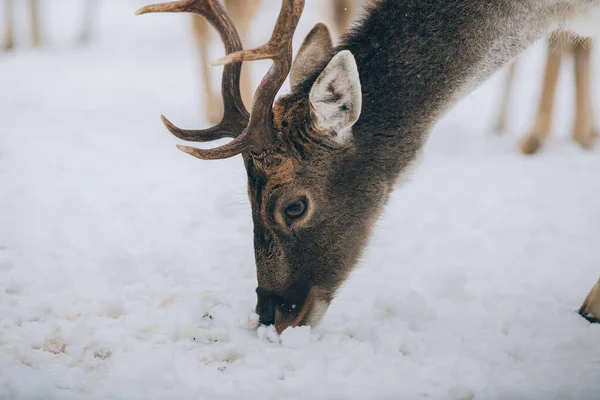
(265, 307)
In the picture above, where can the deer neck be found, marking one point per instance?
(417, 57)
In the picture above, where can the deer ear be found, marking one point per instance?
(336, 98)
(316, 49)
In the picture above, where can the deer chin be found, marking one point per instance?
(311, 313)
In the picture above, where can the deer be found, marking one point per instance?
(9, 26)
(243, 12)
(87, 25)
(34, 13)
(322, 160)
(584, 133)
(342, 12)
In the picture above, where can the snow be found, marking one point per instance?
(126, 267)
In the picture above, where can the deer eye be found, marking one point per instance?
(296, 209)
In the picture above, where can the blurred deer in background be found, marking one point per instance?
(34, 13)
(343, 12)
(559, 44)
(89, 12)
(242, 12)
(9, 25)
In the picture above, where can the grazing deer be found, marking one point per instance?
(583, 127)
(242, 13)
(323, 160)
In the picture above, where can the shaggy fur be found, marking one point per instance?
(415, 58)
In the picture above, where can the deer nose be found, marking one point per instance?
(265, 306)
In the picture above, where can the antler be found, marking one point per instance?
(258, 134)
(235, 116)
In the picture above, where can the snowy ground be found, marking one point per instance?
(126, 267)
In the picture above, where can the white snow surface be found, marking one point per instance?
(126, 266)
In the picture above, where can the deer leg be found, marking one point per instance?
(541, 129)
(343, 13)
(88, 21)
(9, 27)
(590, 309)
(242, 12)
(583, 129)
(34, 13)
(500, 124)
(212, 103)
(246, 78)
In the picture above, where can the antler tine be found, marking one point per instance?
(235, 115)
(258, 135)
(279, 49)
(279, 43)
(222, 130)
(231, 149)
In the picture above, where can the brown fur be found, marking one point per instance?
(415, 59)
(316, 194)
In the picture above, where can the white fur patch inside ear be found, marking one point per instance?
(336, 97)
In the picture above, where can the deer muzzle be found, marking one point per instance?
(299, 307)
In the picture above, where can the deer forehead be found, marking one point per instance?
(267, 174)
(281, 172)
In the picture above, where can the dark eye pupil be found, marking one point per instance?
(296, 209)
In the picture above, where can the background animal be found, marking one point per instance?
(35, 24)
(560, 44)
(9, 24)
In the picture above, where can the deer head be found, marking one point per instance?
(313, 199)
